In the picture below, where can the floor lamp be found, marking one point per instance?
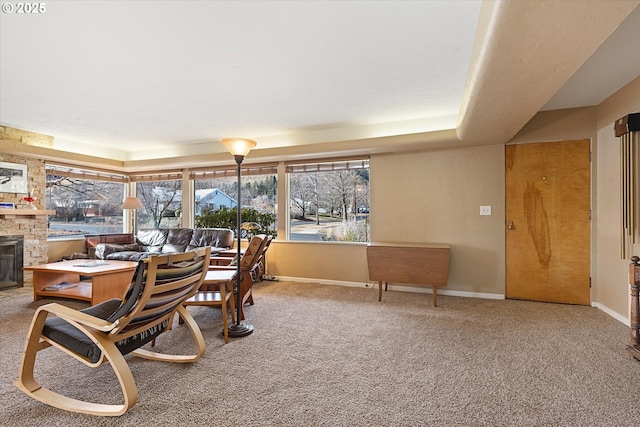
(239, 148)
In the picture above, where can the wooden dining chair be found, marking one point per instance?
(261, 262)
(107, 331)
(248, 263)
(217, 291)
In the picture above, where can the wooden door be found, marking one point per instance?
(548, 221)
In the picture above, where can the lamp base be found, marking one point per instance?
(240, 330)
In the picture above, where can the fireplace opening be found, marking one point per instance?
(11, 261)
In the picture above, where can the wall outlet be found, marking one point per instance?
(485, 210)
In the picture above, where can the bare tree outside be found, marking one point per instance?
(306, 194)
(83, 206)
(162, 201)
(329, 205)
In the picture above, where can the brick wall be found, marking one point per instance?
(26, 137)
(34, 230)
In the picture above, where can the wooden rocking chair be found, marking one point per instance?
(114, 328)
(248, 264)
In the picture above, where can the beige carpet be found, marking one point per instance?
(334, 356)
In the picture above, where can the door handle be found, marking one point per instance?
(510, 225)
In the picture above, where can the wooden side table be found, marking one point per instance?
(416, 264)
(217, 291)
(108, 279)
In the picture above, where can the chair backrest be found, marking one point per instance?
(260, 261)
(267, 242)
(253, 252)
(161, 284)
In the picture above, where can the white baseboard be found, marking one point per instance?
(611, 313)
(441, 291)
(421, 290)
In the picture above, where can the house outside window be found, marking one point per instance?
(216, 191)
(212, 198)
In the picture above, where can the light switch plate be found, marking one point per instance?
(485, 210)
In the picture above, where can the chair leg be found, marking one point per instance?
(232, 306)
(33, 345)
(250, 297)
(27, 383)
(246, 289)
(225, 323)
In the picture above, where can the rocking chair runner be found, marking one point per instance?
(114, 328)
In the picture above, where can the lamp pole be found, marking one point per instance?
(239, 148)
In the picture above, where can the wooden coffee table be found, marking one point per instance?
(108, 279)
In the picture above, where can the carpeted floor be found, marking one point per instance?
(325, 355)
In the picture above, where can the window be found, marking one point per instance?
(216, 193)
(329, 200)
(161, 196)
(85, 201)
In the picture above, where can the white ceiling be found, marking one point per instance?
(145, 79)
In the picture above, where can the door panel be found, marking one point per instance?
(548, 224)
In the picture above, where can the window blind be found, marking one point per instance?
(69, 171)
(156, 176)
(232, 171)
(327, 165)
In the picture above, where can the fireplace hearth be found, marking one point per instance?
(11, 261)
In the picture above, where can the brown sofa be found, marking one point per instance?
(167, 240)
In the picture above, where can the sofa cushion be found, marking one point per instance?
(177, 240)
(103, 250)
(152, 240)
(69, 336)
(128, 255)
(217, 238)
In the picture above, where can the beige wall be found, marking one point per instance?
(330, 261)
(58, 248)
(611, 290)
(435, 197)
(432, 196)
(559, 125)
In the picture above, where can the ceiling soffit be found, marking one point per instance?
(519, 62)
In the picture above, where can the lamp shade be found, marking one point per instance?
(132, 203)
(239, 146)
(250, 226)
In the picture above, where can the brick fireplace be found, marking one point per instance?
(11, 261)
(32, 230)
